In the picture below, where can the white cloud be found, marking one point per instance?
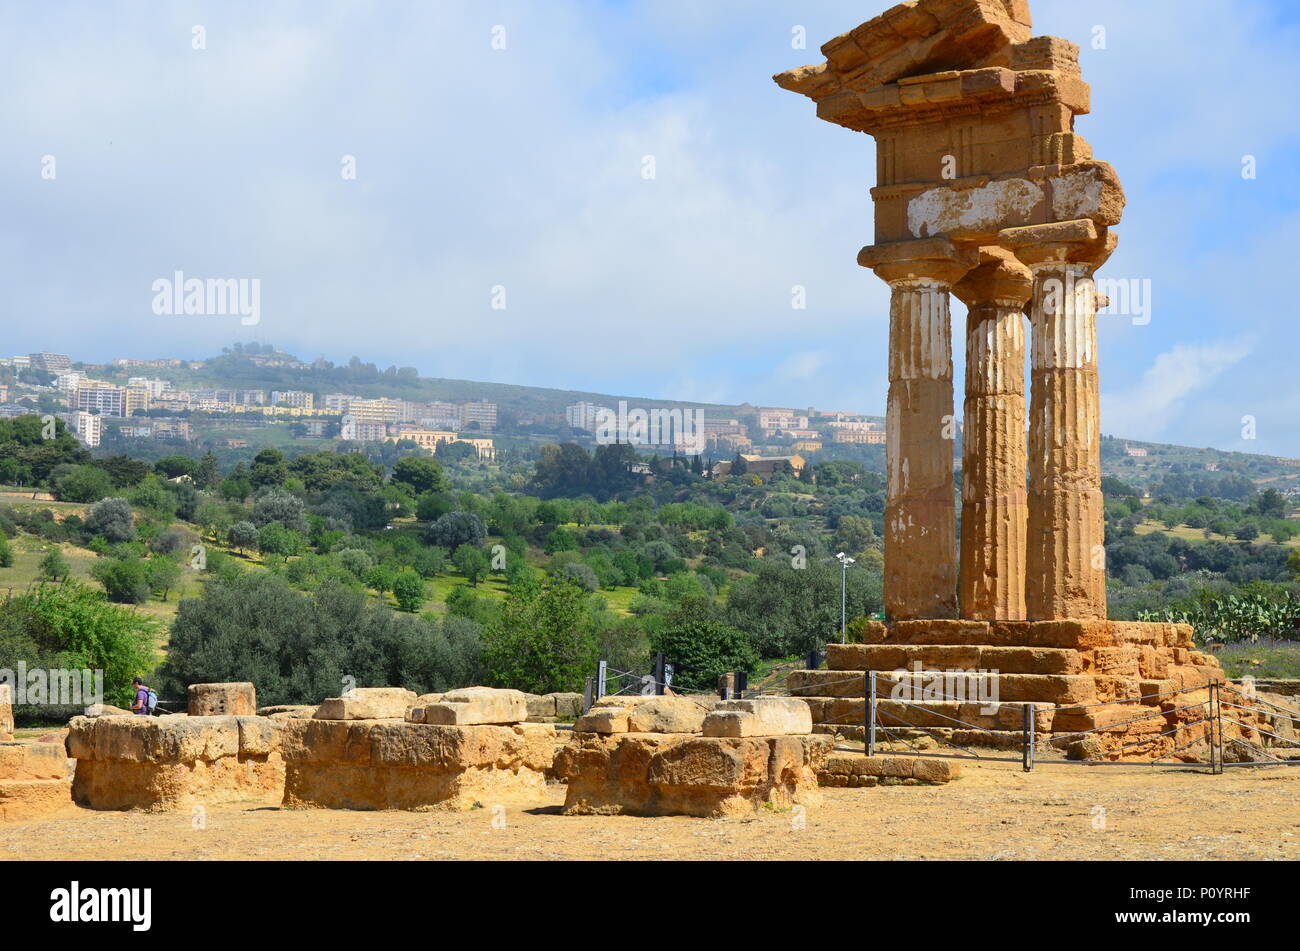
(1150, 408)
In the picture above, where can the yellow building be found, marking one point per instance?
(431, 439)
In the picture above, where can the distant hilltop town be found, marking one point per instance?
(184, 401)
(253, 396)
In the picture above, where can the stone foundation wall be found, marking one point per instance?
(35, 780)
(666, 774)
(165, 763)
(394, 764)
(1077, 677)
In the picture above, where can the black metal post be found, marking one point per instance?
(869, 693)
(1027, 752)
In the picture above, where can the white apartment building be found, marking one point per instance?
(88, 428)
(583, 415)
(295, 399)
(101, 398)
(481, 412)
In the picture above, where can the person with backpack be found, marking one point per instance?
(146, 700)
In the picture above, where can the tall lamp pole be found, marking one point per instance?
(845, 562)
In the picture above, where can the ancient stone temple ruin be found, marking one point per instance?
(985, 192)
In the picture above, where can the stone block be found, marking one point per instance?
(602, 720)
(762, 716)
(476, 706)
(568, 706)
(220, 700)
(368, 703)
(666, 715)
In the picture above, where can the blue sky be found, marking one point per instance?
(522, 168)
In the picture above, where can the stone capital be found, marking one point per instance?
(933, 260)
(1060, 244)
(1000, 279)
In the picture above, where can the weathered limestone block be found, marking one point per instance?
(857, 770)
(35, 780)
(652, 714)
(666, 715)
(368, 703)
(287, 711)
(602, 720)
(763, 716)
(477, 705)
(6, 712)
(162, 763)
(107, 710)
(540, 707)
(388, 764)
(568, 706)
(657, 774)
(222, 700)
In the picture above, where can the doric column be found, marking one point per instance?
(995, 502)
(1066, 573)
(920, 508)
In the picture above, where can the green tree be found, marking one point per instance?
(701, 646)
(6, 552)
(275, 539)
(544, 640)
(164, 573)
(73, 626)
(242, 535)
(455, 529)
(125, 580)
(54, 567)
(381, 578)
(408, 589)
(269, 469)
(419, 474)
(81, 484)
(255, 627)
(113, 519)
(472, 563)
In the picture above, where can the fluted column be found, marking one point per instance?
(1067, 567)
(995, 502)
(920, 506)
(1066, 570)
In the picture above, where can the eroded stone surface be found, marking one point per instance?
(761, 716)
(475, 706)
(657, 774)
(163, 763)
(1124, 683)
(222, 700)
(386, 764)
(367, 703)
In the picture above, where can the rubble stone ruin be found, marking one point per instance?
(671, 755)
(386, 748)
(984, 191)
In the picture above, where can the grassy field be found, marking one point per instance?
(1271, 661)
(1187, 533)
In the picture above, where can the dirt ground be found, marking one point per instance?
(994, 812)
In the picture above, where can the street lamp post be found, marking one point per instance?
(845, 562)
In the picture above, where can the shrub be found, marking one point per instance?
(454, 529)
(257, 628)
(54, 567)
(112, 519)
(408, 589)
(125, 580)
(72, 626)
